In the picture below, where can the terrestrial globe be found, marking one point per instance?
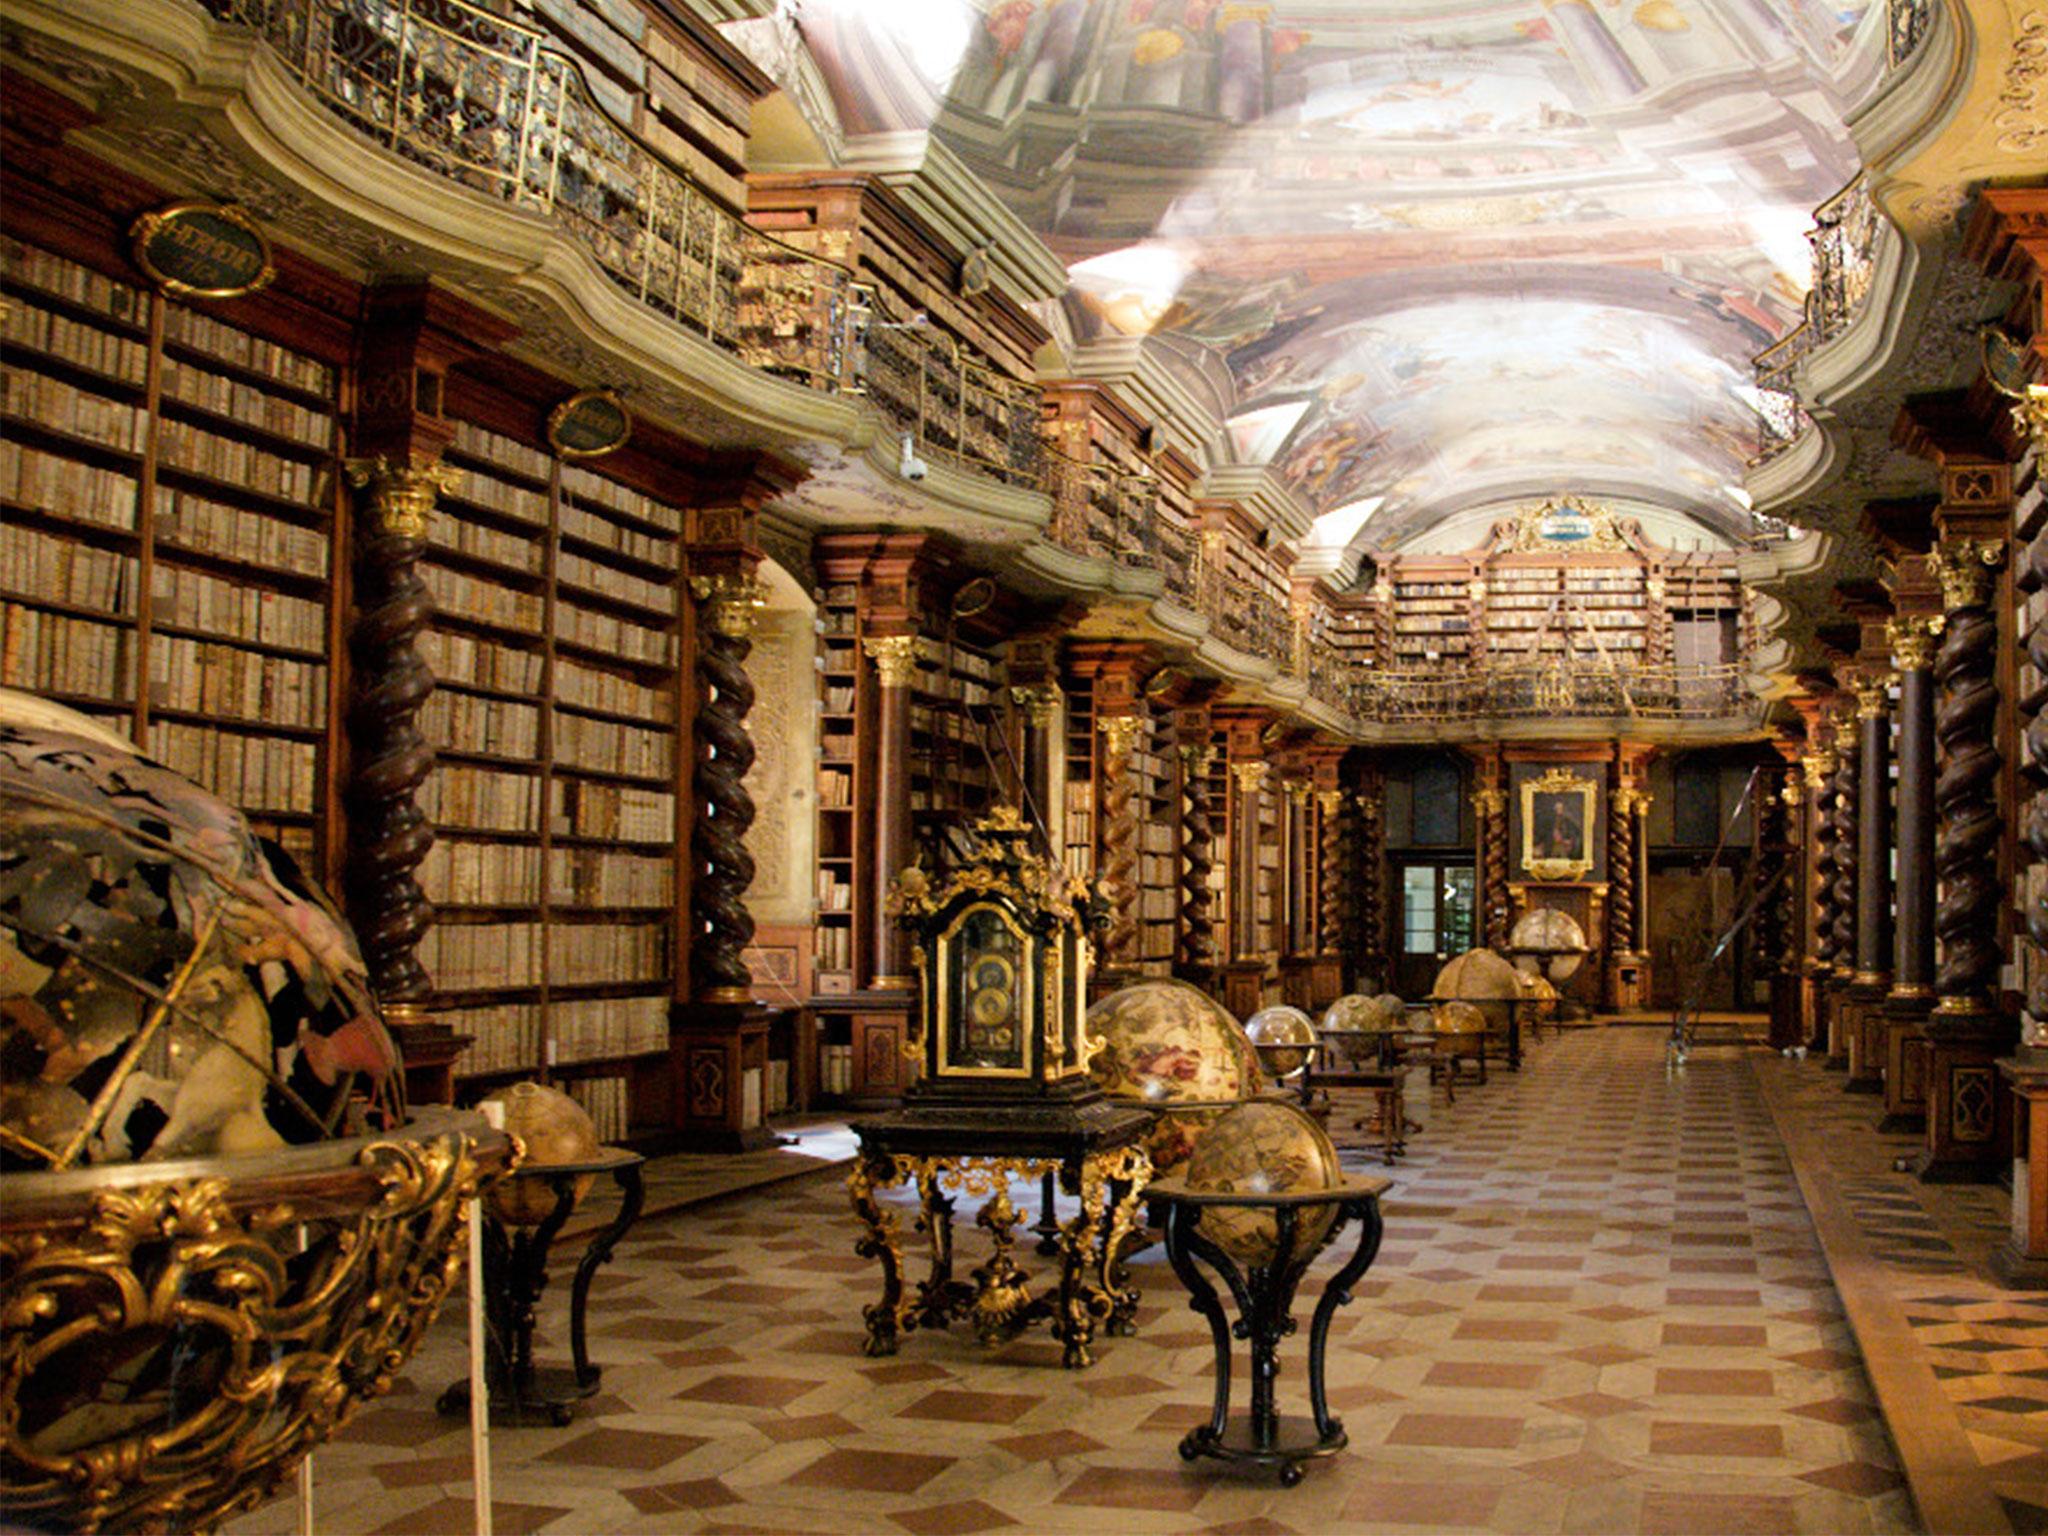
(554, 1129)
(1480, 976)
(1175, 1049)
(1458, 1019)
(1265, 1148)
(1549, 942)
(1284, 1037)
(1358, 1023)
(219, 1229)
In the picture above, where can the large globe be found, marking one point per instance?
(1174, 1049)
(1269, 1147)
(1458, 1019)
(1480, 976)
(554, 1129)
(1539, 998)
(1549, 941)
(1357, 1023)
(1284, 1037)
(170, 985)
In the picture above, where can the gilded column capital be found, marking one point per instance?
(1490, 801)
(1197, 760)
(1794, 793)
(732, 602)
(401, 494)
(1120, 733)
(895, 658)
(1040, 704)
(1966, 570)
(1330, 800)
(1819, 766)
(1913, 640)
(1297, 790)
(1251, 777)
(1873, 695)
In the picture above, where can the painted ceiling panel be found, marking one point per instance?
(1450, 251)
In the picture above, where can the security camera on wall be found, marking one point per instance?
(910, 466)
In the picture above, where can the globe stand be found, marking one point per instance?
(515, 1275)
(1264, 1294)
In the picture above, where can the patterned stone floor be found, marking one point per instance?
(1600, 1307)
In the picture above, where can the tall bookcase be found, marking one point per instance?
(1432, 617)
(556, 644)
(168, 497)
(838, 691)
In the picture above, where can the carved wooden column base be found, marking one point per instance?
(1244, 986)
(1297, 981)
(718, 1053)
(2023, 1261)
(429, 1050)
(1863, 1025)
(1969, 1109)
(1628, 981)
(1905, 1064)
(1786, 1030)
(1834, 992)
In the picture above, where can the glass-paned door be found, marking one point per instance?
(1437, 903)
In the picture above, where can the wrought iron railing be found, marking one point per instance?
(483, 102)
(1105, 513)
(1844, 242)
(1554, 690)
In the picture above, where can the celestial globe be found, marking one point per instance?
(1483, 977)
(1550, 941)
(1539, 998)
(1359, 1022)
(554, 1129)
(1175, 1049)
(1284, 1037)
(1270, 1147)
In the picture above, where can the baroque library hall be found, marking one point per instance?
(953, 766)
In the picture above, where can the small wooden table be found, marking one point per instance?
(515, 1274)
(1265, 1299)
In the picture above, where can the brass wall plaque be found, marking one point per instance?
(589, 424)
(196, 250)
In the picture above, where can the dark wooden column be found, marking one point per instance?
(1116, 792)
(411, 336)
(1842, 940)
(1967, 1032)
(1783, 842)
(1244, 976)
(1627, 960)
(1296, 938)
(1330, 878)
(894, 659)
(1870, 982)
(1369, 807)
(1038, 709)
(1196, 959)
(1820, 946)
(1911, 997)
(1490, 813)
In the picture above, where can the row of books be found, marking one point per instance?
(89, 346)
(835, 1068)
(483, 663)
(65, 571)
(600, 877)
(181, 445)
(836, 745)
(594, 490)
(257, 773)
(197, 600)
(838, 700)
(201, 332)
(446, 531)
(506, 452)
(230, 682)
(513, 1037)
(614, 636)
(834, 890)
(778, 1085)
(187, 520)
(593, 688)
(499, 727)
(613, 812)
(518, 502)
(52, 274)
(604, 1100)
(594, 576)
(582, 954)
(612, 747)
(87, 492)
(457, 872)
(967, 664)
(835, 788)
(63, 407)
(52, 653)
(197, 385)
(832, 946)
(462, 957)
(457, 795)
(484, 601)
(633, 542)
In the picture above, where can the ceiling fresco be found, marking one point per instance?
(1450, 252)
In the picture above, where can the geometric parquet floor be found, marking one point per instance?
(1599, 1307)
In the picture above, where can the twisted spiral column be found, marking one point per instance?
(2035, 827)
(1820, 783)
(721, 925)
(1621, 871)
(389, 759)
(1770, 839)
(1198, 861)
(1370, 863)
(1490, 809)
(1329, 870)
(1847, 784)
(1791, 801)
(1119, 840)
(1966, 783)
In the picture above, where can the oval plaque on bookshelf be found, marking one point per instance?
(196, 250)
(589, 424)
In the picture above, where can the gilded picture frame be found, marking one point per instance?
(1558, 809)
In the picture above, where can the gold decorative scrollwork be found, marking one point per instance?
(401, 495)
(1913, 639)
(284, 1316)
(1967, 570)
(732, 603)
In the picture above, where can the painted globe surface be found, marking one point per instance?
(1173, 1048)
(1558, 942)
(170, 984)
(1265, 1148)
(1539, 998)
(1284, 1037)
(1367, 1018)
(1483, 977)
(554, 1129)
(1459, 1019)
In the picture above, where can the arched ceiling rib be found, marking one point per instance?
(1451, 252)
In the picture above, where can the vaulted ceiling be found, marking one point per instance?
(1451, 251)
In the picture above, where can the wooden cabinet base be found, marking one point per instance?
(719, 1055)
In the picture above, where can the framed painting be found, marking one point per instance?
(1558, 811)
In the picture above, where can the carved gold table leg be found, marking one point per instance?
(934, 1306)
(889, 1316)
(1128, 1171)
(1081, 1303)
(1002, 1298)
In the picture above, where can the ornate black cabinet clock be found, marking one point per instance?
(1005, 1098)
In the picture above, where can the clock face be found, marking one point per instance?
(986, 1027)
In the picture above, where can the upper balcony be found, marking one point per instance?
(1844, 240)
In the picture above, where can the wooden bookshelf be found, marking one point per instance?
(168, 491)
(833, 957)
(1158, 807)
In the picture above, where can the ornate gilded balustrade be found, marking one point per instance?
(1844, 242)
(1553, 691)
(1105, 513)
(928, 385)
